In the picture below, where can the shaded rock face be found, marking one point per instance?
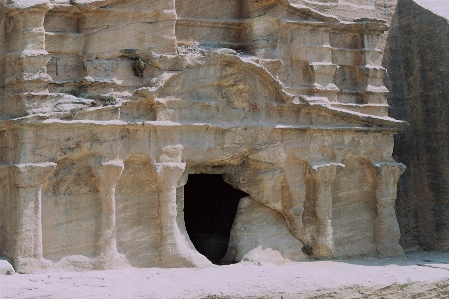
(417, 60)
(108, 106)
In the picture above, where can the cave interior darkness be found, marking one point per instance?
(210, 206)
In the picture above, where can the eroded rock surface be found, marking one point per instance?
(260, 234)
(418, 66)
(108, 106)
(6, 268)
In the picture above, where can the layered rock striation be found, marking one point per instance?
(417, 60)
(108, 106)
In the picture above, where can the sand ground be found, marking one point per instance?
(415, 275)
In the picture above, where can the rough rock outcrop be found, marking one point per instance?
(260, 234)
(418, 60)
(347, 9)
(108, 106)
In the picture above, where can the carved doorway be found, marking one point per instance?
(210, 206)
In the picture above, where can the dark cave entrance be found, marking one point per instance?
(210, 206)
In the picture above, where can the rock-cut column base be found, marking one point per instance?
(389, 250)
(185, 258)
(71, 263)
(32, 265)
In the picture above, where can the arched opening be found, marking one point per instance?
(210, 206)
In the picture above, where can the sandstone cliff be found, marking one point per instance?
(108, 106)
(417, 59)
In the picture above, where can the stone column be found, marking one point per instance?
(174, 252)
(168, 175)
(375, 92)
(26, 182)
(108, 174)
(324, 174)
(387, 231)
(25, 60)
(167, 153)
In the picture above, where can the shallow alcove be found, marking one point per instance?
(71, 211)
(210, 206)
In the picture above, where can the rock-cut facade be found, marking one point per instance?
(107, 106)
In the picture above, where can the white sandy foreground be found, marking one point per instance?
(415, 275)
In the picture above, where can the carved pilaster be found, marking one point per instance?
(371, 40)
(375, 91)
(169, 170)
(27, 181)
(174, 252)
(168, 175)
(296, 181)
(108, 174)
(25, 60)
(324, 174)
(387, 231)
(26, 57)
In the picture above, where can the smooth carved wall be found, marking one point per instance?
(70, 205)
(137, 210)
(108, 106)
(354, 208)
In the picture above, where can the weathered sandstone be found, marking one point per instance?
(417, 59)
(6, 268)
(260, 234)
(108, 106)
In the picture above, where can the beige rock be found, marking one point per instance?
(108, 106)
(260, 234)
(6, 268)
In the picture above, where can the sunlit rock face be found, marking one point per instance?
(346, 10)
(108, 106)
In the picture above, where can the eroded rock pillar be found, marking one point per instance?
(174, 252)
(168, 175)
(387, 231)
(323, 175)
(27, 181)
(108, 174)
